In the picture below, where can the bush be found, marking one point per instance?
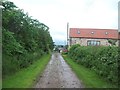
(103, 60)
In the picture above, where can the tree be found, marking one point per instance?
(24, 39)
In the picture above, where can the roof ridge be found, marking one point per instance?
(95, 28)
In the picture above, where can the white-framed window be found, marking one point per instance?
(93, 43)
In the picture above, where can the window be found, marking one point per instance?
(106, 33)
(92, 32)
(98, 43)
(88, 43)
(78, 31)
(93, 43)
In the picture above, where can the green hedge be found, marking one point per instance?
(24, 39)
(103, 60)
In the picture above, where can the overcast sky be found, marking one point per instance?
(79, 13)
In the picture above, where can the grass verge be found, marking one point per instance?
(88, 77)
(26, 77)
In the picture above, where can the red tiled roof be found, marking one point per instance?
(94, 33)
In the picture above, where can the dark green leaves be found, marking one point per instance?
(24, 39)
(103, 60)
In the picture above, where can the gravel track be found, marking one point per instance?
(58, 74)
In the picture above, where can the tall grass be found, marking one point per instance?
(26, 77)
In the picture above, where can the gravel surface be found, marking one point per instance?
(58, 75)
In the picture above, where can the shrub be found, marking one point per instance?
(103, 60)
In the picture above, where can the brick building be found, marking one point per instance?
(94, 37)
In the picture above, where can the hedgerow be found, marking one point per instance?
(24, 39)
(103, 60)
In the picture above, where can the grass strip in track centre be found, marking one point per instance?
(26, 77)
(88, 77)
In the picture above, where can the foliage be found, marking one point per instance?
(24, 39)
(20, 79)
(112, 42)
(88, 77)
(103, 60)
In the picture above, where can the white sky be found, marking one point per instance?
(79, 13)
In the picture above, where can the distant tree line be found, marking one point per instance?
(24, 39)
